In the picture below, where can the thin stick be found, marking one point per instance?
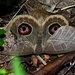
(41, 60)
(68, 7)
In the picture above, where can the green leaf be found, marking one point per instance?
(1, 42)
(17, 68)
(2, 31)
(3, 72)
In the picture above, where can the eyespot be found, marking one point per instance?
(53, 28)
(24, 29)
(53, 22)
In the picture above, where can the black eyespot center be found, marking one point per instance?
(55, 28)
(24, 29)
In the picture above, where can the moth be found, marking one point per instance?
(38, 32)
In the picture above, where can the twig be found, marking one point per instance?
(65, 8)
(72, 64)
(41, 60)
